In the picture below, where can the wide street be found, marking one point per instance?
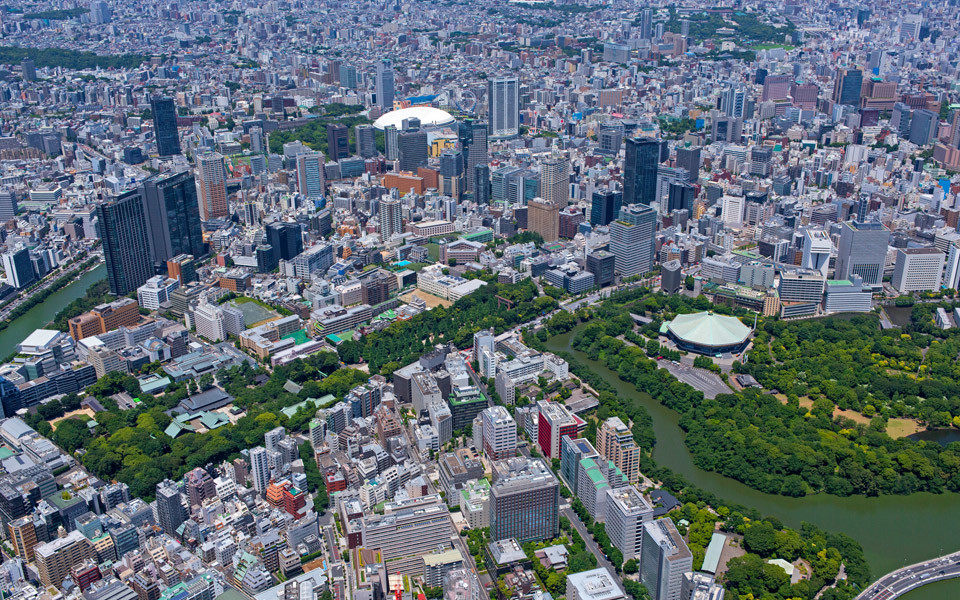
(899, 582)
(588, 540)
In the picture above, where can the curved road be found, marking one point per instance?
(899, 582)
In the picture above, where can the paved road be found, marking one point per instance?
(899, 582)
(706, 381)
(47, 282)
(588, 540)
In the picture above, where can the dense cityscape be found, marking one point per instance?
(503, 299)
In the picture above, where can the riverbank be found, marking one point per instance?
(42, 314)
(894, 530)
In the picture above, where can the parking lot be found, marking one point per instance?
(707, 382)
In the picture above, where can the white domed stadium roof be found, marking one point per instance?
(709, 330)
(429, 117)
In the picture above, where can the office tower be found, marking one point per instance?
(664, 558)
(640, 170)
(170, 510)
(632, 239)
(555, 180)
(775, 87)
(412, 148)
(391, 218)
(627, 513)
(452, 181)
(817, 248)
(726, 129)
(311, 177)
(499, 433)
(615, 442)
(260, 469)
(689, 160)
(472, 135)
(391, 142)
(408, 532)
(604, 206)
(18, 268)
(482, 192)
(165, 125)
(503, 106)
(212, 183)
(602, 264)
(553, 422)
(923, 126)
(348, 76)
(286, 239)
(524, 500)
(123, 232)
(384, 85)
(338, 141)
(544, 218)
(681, 197)
(173, 216)
(55, 559)
(846, 88)
(732, 101)
(28, 69)
(917, 269)
(646, 24)
(366, 137)
(862, 251)
(610, 138)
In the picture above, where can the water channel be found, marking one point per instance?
(894, 530)
(42, 314)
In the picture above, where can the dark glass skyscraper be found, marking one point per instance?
(123, 231)
(846, 89)
(473, 141)
(604, 206)
(285, 239)
(165, 125)
(173, 216)
(640, 170)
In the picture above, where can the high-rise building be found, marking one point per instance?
(923, 127)
(555, 180)
(311, 177)
(524, 500)
(165, 125)
(615, 442)
(595, 584)
(123, 232)
(775, 87)
(212, 183)
(472, 135)
(646, 24)
(413, 148)
(553, 422)
(632, 239)
(681, 197)
(55, 559)
(544, 218)
(173, 216)
(366, 137)
(482, 187)
(391, 218)
(917, 269)
(664, 558)
(384, 85)
(862, 251)
(23, 537)
(499, 433)
(338, 141)
(28, 69)
(640, 170)
(604, 206)
(726, 129)
(286, 239)
(503, 106)
(170, 509)
(18, 267)
(689, 160)
(603, 265)
(627, 512)
(260, 469)
(847, 86)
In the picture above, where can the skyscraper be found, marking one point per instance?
(482, 188)
(338, 141)
(170, 510)
(632, 239)
(689, 160)
(680, 197)
(260, 469)
(391, 219)
(28, 69)
(366, 141)
(384, 85)
(640, 170)
(285, 239)
(18, 267)
(503, 106)
(862, 251)
(646, 24)
(555, 180)
(311, 177)
(604, 206)
(544, 218)
(412, 147)
(173, 216)
(846, 88)
(123, 231)
(615, 442)
(524, 500)
(472, 135)
(212, 183)
(664, 558)
(165, 125)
